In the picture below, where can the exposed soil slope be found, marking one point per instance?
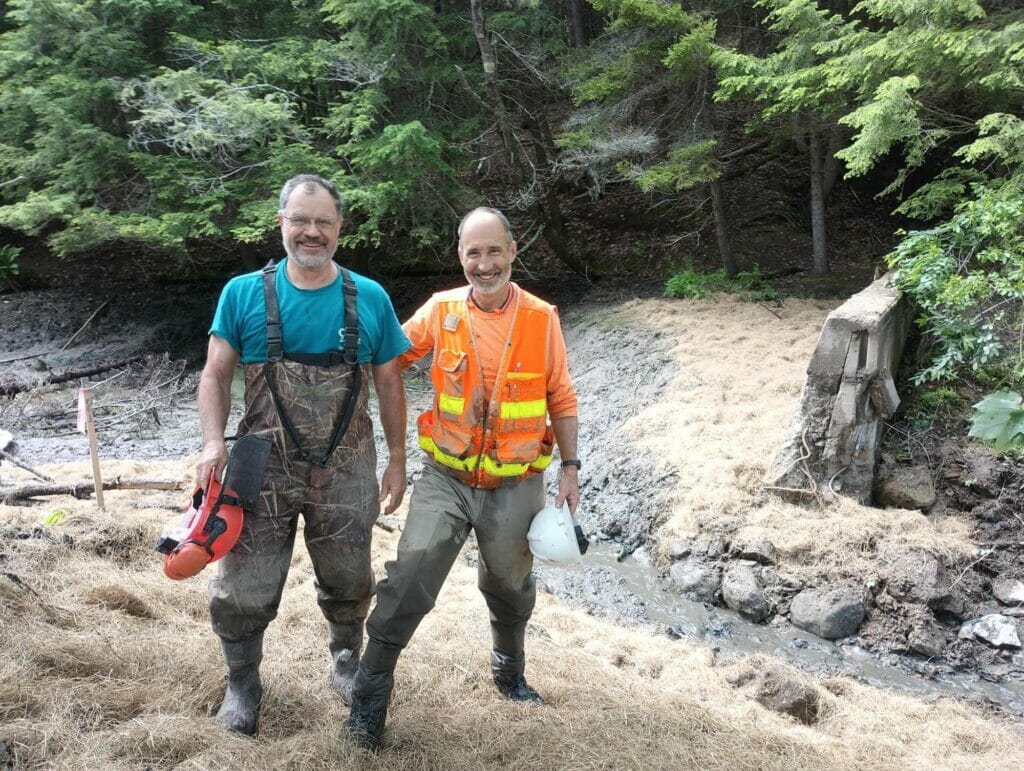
(682, 407)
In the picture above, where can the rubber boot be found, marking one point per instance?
(240, 710)
(344, 642)
(507, 671)
(374, 681)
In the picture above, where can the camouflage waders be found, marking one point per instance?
(338, 503)
(335, 492)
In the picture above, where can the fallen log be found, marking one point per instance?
(11, 389)
(85, 489)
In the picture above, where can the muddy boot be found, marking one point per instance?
(374, 681)
(344, 642)
(240, 709)
(508, 676)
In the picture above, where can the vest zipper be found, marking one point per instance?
(499, 378)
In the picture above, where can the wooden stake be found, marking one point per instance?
(85, 403)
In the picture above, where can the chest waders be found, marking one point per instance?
(314, 409)
(348, 355)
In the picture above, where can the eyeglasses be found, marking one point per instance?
(301, 223)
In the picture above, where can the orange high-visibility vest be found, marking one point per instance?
(485, 439)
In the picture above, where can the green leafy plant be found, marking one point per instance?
(966, 277)
(999, 420)
(689, 284)
(9, 263)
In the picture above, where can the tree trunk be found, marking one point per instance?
(718, 211)
(797, 132)
(490, 65)
(830, 174)
(817, 201)
(577, 33)
(554, 227)
(722, 229)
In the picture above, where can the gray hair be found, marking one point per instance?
(488, 210)
(309, 184)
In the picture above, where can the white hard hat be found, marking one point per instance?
(552, 536)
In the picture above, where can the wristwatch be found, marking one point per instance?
(576, 463)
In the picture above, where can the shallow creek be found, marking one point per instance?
(635, 590)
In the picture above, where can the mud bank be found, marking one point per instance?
(683, 405)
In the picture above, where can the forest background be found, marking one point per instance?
(165, 127)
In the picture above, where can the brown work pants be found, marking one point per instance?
(442, 511)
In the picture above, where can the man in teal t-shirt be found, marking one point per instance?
(304, 392)
(312, 320)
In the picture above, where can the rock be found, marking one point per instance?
(927, 640)
(1009, 591)
(967, 630)
(990, 511)
(718, 547)
(997, 630)
(983, 473)
(742, 591)
(831, 614)
(914, 574)
(697, 579)
(758, 548)
(784, 692)
(905, 488)
(679, 549)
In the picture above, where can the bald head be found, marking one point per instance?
(487, 212)
(487, 251)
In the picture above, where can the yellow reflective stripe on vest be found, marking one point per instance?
(538, 408)
(496, 469)
(451, 404)
(541, 463)
(428, 446)
(522, 375)
(490, 465)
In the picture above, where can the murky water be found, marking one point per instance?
(639, 592)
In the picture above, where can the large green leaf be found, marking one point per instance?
(999, 419)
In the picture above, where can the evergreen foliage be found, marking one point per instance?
(966, 276)
(172, 124)
(636, 88)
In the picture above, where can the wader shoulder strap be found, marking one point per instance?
(349, 355)
(273, 313)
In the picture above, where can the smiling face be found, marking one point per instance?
(313, 241)
(487, 253)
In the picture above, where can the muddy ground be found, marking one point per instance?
(682, 405)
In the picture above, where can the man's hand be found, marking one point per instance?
(214, 457)
(214, 400)
(568, 488)
(393, 483)
(387, 381)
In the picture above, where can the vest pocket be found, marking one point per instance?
(524, 405)
(451, 393)
(444, 437)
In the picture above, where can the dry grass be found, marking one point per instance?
(718, 426)
(109, 665)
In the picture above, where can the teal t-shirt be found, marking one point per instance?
(312, 320)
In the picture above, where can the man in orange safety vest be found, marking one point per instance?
(499, 372)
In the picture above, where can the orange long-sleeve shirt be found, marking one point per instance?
(491, 330)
